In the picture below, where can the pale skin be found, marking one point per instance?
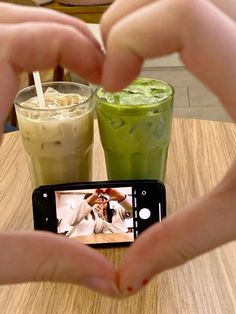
(101, 205)
(113, 194)
(39, 39)
(204, 36)
(36, 39)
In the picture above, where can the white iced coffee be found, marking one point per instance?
(58, 139)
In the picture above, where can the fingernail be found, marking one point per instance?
(100, 285)
(131, 289)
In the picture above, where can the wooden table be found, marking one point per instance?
(199, 154)
(105, 238)
(21, 2)
(87, 13)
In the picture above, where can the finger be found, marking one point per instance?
(9, 84)
(142, 34)
(185, 28)
(41, 256)
(118, 10)
(206, 224)
(121, 8)
(53, 44)
(11, 13)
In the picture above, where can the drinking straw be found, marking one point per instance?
(39, 90)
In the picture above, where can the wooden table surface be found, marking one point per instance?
(21, 2)
(105, 238)
(87, 13)
(199, 154)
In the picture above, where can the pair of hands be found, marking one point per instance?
(98, 202)
(37, 39)
(113, 195)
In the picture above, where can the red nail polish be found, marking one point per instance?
(144, 282)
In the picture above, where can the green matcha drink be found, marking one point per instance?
(135, 129)
(58, 139)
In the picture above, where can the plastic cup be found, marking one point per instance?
(135, 129)
(58, 139)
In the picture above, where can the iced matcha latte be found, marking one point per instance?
(135, 129)
(58, 139)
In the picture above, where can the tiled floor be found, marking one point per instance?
(192, 98)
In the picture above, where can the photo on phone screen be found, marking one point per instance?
(95, 215)
(99, 213)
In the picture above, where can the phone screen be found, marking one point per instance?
(107, 213)
(94, 216)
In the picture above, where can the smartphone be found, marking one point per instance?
(102, 213)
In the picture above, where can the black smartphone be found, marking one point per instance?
(101, 213)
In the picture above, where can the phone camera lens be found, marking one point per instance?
(144, 192)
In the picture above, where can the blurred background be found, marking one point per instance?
(192, 98)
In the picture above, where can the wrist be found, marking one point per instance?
(122, 198)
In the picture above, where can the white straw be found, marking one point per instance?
(39, 90)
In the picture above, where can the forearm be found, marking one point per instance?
(83, 210)
(126, 204)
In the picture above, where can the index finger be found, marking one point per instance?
(42, 46)
(169, 26)
(139, 35)
(118, 10)
(11, 13)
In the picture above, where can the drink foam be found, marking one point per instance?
(54, 100)
(141, 91)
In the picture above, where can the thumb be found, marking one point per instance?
(204, 225)
(42, 256)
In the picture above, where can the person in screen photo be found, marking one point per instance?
(84, 220)
(114, 208)
(103, 211)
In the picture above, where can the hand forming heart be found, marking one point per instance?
(132, 31)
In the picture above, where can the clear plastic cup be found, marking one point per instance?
(58, 139)
(135, 129)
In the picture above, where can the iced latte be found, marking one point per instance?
(58, 139)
